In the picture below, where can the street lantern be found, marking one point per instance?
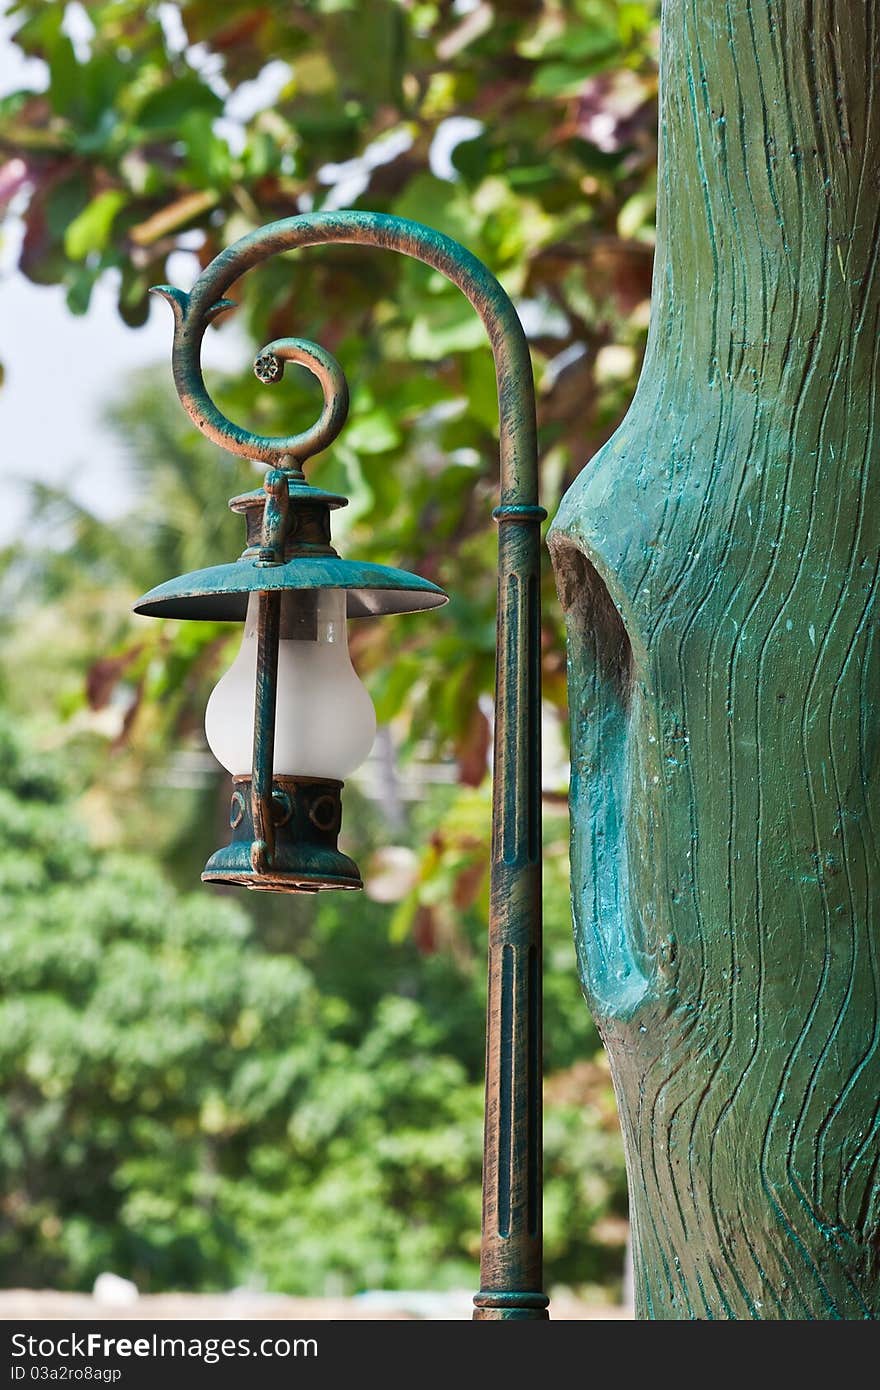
(290, 719)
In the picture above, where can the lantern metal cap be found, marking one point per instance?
(299, 492)
(220, 594)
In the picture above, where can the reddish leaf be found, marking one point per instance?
(467, 885)
(472, 749)
(103, 676)
(128, 720)
(425, 931)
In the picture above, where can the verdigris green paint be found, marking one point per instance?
(718, 563)
(284, 831)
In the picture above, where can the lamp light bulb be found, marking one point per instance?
(324, 719)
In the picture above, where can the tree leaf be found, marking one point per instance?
(175, 215)
(166, 108)
(472, 749)
(448, 325)
(208, 159)
(90, 231)
(374, 432)
(79, 289)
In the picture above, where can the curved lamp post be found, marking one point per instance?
(312, 721)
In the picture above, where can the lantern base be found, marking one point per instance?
(307, 815)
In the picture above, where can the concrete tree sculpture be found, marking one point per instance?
(718, 564)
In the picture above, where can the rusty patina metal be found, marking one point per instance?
(511, 1260)
(305, 814)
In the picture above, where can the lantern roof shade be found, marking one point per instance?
(220, 594)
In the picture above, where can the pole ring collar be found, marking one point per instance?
(519, 511)
(510, 1299)
(498, 1298)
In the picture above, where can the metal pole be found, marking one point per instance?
(511, 1258)
(511, 1262)
(268, 626)
(266, 691)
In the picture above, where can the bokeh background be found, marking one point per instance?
(205, 1090)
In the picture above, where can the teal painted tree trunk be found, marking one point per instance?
(718, 563)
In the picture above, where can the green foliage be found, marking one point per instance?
(334, 1134)
(551, 185)
(187, 1106)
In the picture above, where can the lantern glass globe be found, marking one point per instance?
(324, 719)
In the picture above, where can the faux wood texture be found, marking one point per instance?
(718, 561)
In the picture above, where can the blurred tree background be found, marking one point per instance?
(199, 1089)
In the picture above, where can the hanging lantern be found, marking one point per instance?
(290, 719)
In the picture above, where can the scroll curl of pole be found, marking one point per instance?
(511, 1258)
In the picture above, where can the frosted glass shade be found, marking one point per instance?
(324, 719)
